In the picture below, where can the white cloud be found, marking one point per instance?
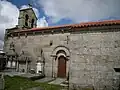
(42, 22)
(8, 18)
(80, 10)
(9, 14)
(24, 7)
(1, 44)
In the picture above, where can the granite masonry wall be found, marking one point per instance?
(93, 56)
(33, 46)
(93, 59)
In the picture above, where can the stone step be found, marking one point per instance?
(59, 81)
(64, 85)
(65, 82)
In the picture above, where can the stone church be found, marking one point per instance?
(88, 53)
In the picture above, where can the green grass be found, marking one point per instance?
(19, 83)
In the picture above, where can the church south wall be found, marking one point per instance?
(93, 59)
(93, 56)
(33, 44)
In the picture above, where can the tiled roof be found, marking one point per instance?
(81, 25)
(84, 24)
(99, 23)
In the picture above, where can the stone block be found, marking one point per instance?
(76, 37)
(116, 35)
(84, 50)
(90, 67)
(107, 44)
(94, 44)
(78, 59)
(105, 51)
(48, 71)
(75, 86)
(77, 73)
(78, 66)
(80, 81)
(94, 51)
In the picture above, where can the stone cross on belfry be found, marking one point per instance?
(30, 5)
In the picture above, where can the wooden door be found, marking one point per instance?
(61, 67)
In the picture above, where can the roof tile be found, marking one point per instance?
(81, 25)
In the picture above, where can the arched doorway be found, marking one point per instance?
(61, 67)
(60, 62)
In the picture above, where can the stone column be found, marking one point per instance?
(53, 66)
(26, 66)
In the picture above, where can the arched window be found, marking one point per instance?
(32, 23)
(26, 20)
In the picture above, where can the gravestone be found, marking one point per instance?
(2, 82)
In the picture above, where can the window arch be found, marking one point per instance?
(26, 19)
(60, 49)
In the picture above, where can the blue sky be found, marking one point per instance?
(58, 12)
(108, 9)
(20, 3)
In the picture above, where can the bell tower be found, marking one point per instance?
(27, 18)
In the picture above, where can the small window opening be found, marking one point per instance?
(117, 69)
(51, 43)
